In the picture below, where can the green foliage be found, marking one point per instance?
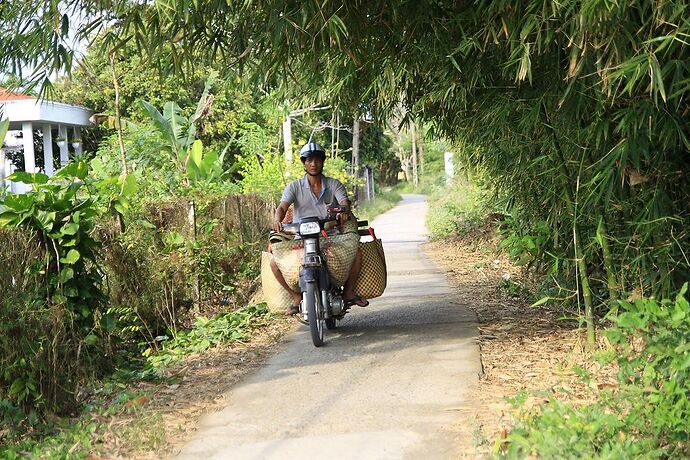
(652, 340)
(162, 264)
(179, 140)
(646, 415)
(234, 103)
(265, 174)
(268, 175)
(166, 158)
(85, 435)
(64, 441)
(382, 202)
(513, 288)
(234, 326)
(561, 431)
(59, 324)
(454, 209)
(525, 246)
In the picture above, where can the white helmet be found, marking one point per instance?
(310, 149)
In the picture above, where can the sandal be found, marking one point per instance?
(292, 310)
(356, 300)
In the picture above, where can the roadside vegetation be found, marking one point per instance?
(381, 203)
(639, 412)
(571, 119)
(145, 251)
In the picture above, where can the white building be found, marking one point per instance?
(60, 124)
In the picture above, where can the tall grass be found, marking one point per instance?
(381, 203)
(456, 208)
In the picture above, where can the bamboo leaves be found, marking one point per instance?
(614, 78)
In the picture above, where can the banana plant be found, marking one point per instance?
(204, 166)
(179, 134)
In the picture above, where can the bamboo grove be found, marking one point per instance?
(575, 111)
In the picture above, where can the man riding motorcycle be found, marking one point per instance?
(311, 196)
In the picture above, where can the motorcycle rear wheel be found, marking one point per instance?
(312, 297)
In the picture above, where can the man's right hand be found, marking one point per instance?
(279, 215)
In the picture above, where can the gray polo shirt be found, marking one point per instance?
(307, 204)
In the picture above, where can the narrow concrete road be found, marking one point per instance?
(391, 382)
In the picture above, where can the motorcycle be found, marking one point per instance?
(322, 302)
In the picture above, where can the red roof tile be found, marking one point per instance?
(7, 95)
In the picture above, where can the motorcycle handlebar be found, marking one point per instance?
(293, 228)
(338, 209)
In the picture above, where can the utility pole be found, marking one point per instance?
(333, 135)
(355, 148)
(415, 177)
(287, 138)
(337, 136)
(355, 153)
(287, 128)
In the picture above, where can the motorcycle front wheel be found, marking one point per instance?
(312, 298)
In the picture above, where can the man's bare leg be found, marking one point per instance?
(355, 269)
(296, 296)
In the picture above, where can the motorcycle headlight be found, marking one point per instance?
(309, 228)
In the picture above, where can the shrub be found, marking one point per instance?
(53, 324)
(235, 326)
(454, 209)
(164, 264)
(647, 414)
(382, 202)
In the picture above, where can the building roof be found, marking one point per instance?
(20, 108)
(7, 95)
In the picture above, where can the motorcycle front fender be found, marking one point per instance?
(311, 275)
(308, 275)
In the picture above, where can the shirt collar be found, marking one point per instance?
(324, 183)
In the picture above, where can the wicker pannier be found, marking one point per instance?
(338, 250)
(373, 277)
(275, 295)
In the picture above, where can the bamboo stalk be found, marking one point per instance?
(611, 278)
(118, 119)
(196, 282)
(579, 254)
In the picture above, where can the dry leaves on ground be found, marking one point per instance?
(201, 382)
(522, 347)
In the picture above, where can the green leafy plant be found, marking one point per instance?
(234, 326)
(646, 414)
(179, 135)
(455, 209)
(525, 246)
(61, 324)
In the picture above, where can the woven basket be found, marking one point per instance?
(339, 251)
(373, 277)
(289, 257)
(275, 295)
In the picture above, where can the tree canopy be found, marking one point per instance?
(577, 112)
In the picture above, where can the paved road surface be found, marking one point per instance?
(390, 382)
